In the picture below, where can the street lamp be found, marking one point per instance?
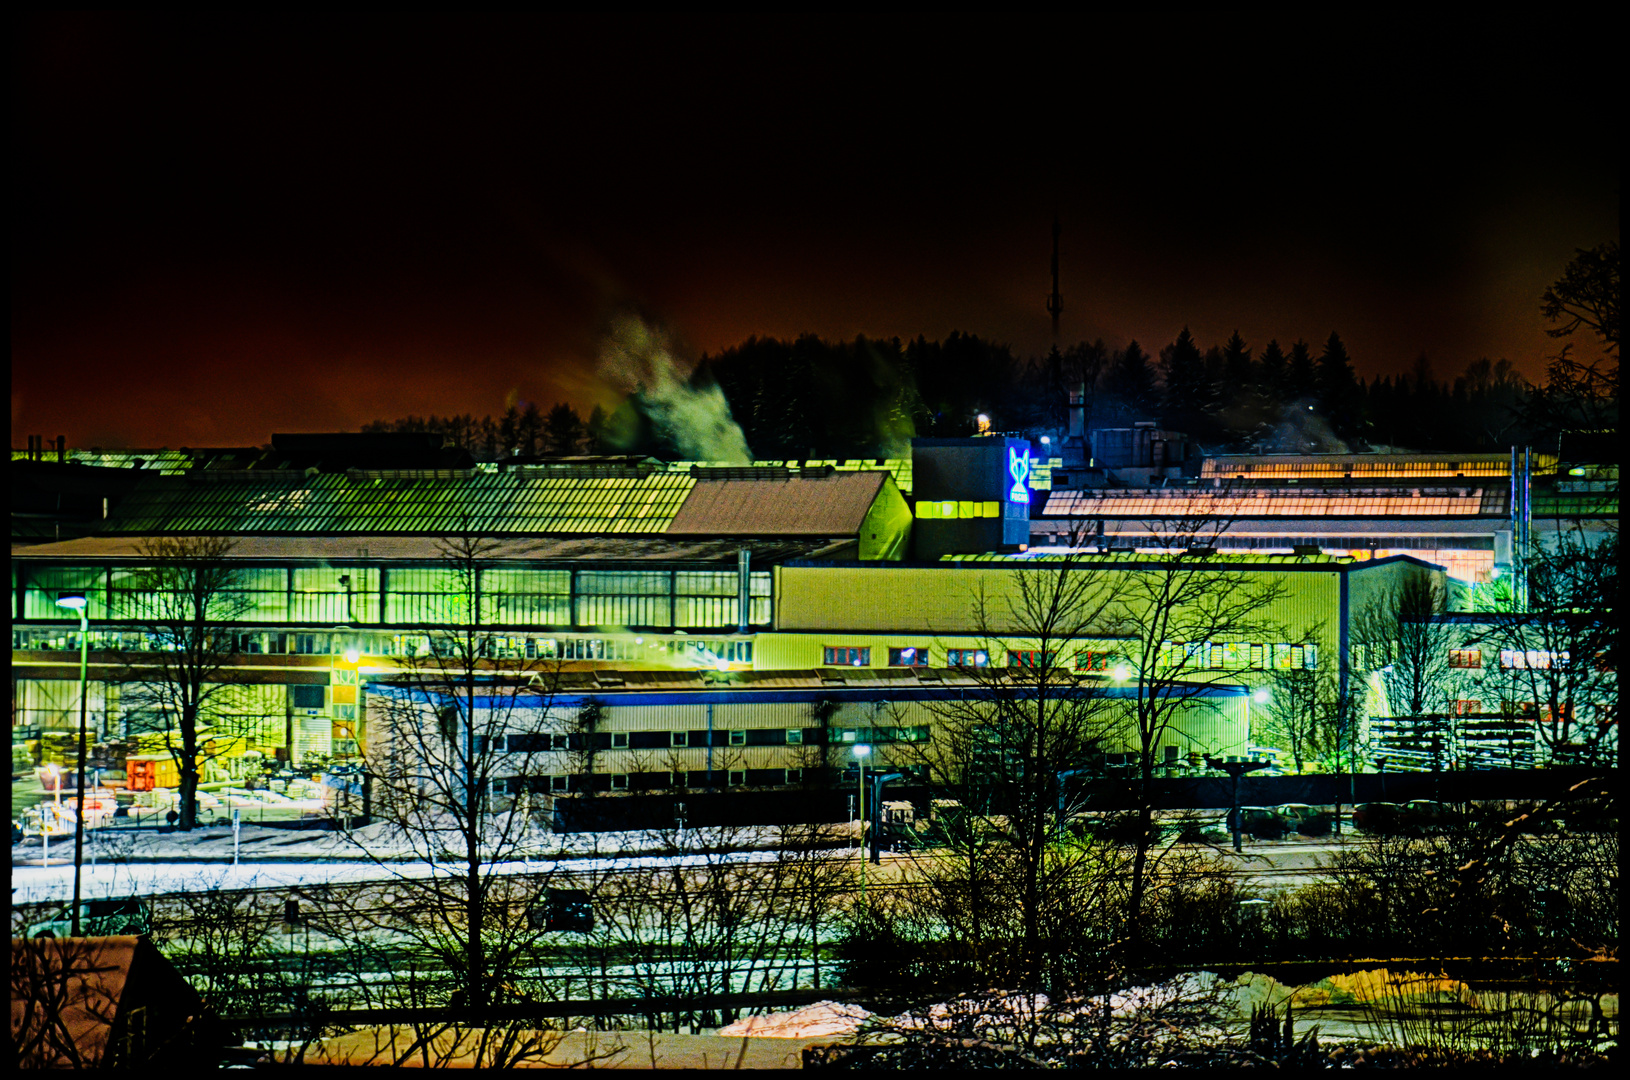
(77, 602)
(861, 751)
(1261, 697)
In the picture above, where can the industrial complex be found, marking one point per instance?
(731, 625)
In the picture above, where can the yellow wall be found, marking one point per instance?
(885, 534)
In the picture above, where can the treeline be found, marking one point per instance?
(813, 398)
(527, 432)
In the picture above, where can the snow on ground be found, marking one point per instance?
(40, 884)
(821, 1018)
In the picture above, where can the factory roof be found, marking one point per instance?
(835, 505)
(430, 548)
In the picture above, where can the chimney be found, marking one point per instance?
(744, 591)
(1074, 452)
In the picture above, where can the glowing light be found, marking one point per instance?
(722, 665)
(1046, 440)
(1122, 673)
(861, 750)
(1018, 467)
(73, 600)
(1260, 697)
(984, 423)
(352, 655)
(639, 641)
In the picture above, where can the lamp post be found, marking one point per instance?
(1235, 769)
(861, 751)
(77, 602)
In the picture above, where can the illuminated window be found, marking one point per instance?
(1029, 658)
(1465, 658)
(1468, 708)
(738, 738)
(795, 736)
(848, 656)
(1093, 660)
(909, 656)
(1295, 657)
(1538, 659)
(967, 658)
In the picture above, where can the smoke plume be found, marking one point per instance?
(696, 420)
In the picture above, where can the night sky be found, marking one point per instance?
(225, 229)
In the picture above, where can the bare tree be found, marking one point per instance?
(1004, 746)
(184, 601)
(1188, 623)
(1559, 657)
(1400, 636)
(1295, 716)
(453, 738)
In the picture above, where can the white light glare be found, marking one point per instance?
(1260, 697)
(862, 750)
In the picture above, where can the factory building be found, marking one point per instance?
(684, 598)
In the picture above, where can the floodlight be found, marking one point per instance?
(861, 750)
(75, 600)
(1260, 697)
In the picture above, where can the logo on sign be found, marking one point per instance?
(1018, 467)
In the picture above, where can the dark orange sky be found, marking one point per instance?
(226, 228)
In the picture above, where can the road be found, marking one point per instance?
(1265, 865)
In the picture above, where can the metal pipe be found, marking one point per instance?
(84, 694)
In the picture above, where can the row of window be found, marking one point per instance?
(1519, 659)
(566, 783)
(683, 598)
(539, 742)
(951, 510)
(491, 646)
(1224, 656)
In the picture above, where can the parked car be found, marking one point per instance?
(1306, 820)
(1378, 817)
(1424, 816)
(98, 918)
(1262, 823)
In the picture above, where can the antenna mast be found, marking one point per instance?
(1055, 302)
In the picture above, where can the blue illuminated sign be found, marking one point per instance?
(1018, 467)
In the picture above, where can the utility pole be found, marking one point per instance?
(1055, 301)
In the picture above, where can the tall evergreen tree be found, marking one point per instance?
(1338, 387)
(1187, 391)
(1274, 371)
(1132, 381)
(563, 430)
(1237, 369)
(1301, 381)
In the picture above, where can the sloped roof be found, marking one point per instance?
(409, 548)
(67, 994)
(834, 505)
(490, 504)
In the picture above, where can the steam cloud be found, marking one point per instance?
(697, 421)
(1301, 430)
